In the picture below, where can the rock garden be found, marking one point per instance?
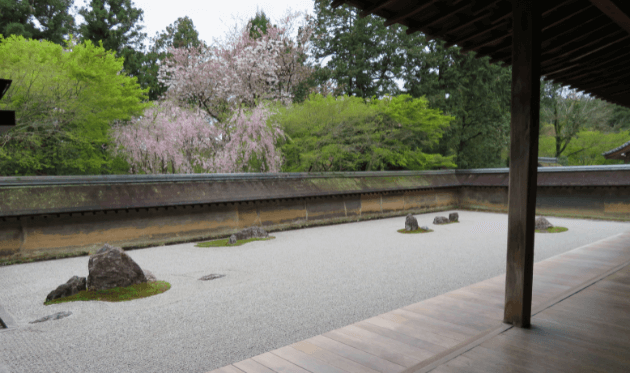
(411, 223)
(441, 220)
(113, 277)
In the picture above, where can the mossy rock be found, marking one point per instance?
(132, 292)
(419, 230)
(224, 242)
(552, 230)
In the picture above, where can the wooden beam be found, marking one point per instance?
(427, 24)
(614, 90)
(408, 12)
(617, 15)
(504, 55)
(7, 120)
(337, 3)
(561, 17)
(585, 49)
(584, 22)
(505, 59)
(599, 76)
(524, 131)
(504, 9)
(556, 7)
(376, 7)
(597, 81)
(577, 38)
(479, 15)
(593, 64)
(606, 46)
(621, 92)
(499, 44)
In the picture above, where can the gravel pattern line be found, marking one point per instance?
(304, 283)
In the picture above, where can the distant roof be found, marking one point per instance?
(616, 152)
(585, 43)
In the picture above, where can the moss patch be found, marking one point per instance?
(419, 230)
(224, 242)
(553, 230)
(132, 292)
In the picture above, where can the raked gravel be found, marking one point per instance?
(304, 283)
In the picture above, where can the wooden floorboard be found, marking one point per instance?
(586, 332)
(581, 323)
(331, 358)
(357, 355)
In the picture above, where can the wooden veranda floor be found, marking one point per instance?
(580, 323)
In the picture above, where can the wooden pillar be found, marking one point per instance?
(525, 108)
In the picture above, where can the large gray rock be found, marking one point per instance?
(411, 223)
(441, 220)
(542, 224)
(251, 232)
(110, 267)
(73, 286)
(453, 217)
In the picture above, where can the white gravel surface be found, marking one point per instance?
(304, 283)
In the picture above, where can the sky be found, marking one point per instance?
(213, 19)
(216, 18)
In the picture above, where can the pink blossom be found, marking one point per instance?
(228, 131)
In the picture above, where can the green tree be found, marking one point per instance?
(570, 113)
(65, 100)
(619, 118)
(18, 17)
(180, 34)
(348, 134)
(586, 147)
(473, 91)
(365, 57)
(259, 24)
(117, 24)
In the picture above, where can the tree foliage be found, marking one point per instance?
(117, 24)
(476, 93)
(364, 56)
(346, 134)
(171, 139)
(239, 74)
(37, 19)
(570, 113)
(585, 148)
(619, 119)
(258, 25)
(64, 101)
(180, 34)
(216, 97)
